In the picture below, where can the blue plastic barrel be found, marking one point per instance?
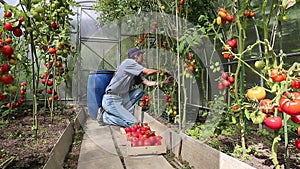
(97, 83)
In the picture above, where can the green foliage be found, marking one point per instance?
(112, 10)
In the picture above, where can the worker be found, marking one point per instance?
(120, 96)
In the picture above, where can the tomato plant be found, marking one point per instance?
(290, 103)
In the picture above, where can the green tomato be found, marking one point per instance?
(257, 117)
(283, 18)
(39, 9)
(12, 88)
(259, 64)
(24, 2)
(35, 1)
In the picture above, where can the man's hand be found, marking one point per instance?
(169, 80)
(168, 73)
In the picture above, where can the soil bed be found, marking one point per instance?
(28, 149)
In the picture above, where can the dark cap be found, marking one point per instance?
(133, 51)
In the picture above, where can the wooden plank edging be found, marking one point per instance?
(61, 148)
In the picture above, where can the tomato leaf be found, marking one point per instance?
(247, 114)
(288, 3)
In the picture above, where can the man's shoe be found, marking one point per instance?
(100, 116)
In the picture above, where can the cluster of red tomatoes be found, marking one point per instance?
(181, 3)
(140, 134)
(223, 17)
(249, 14)
(12, 25)
(226, 81)
(191, 62)
(47, 79)
(145, 102)
(21, 100)
(141, 40)
(232, 44)
(56, 54)
(278, 74)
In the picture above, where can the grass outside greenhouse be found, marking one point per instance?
(235, 65)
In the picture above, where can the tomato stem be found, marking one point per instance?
(274, 151)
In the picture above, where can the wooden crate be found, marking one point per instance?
(144, 150)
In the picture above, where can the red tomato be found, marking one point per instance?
(8, 26)
(278, 74)
(246, 13)
(251, 14)
(8, 14)
(231, 44)
(222, 14)
(296, 83)
(290, 103)
(231, 79)
(223, 10)
(7, 50)
(50, 83)
(127, 129)
(234, 41)
(229, 18)
(147, 142)
(267, 106)
(296, 119)
(224, 75)
(56, 97)
(226, 56)
(221, 86)
(54, 25)
(297, 143)
(152, 139)
(140, 142)
(273, 122)
(7, 79)
(226, 83)
(5, 68)
(181, 2)
(8, 40)
(17, 32)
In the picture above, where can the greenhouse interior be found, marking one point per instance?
(150, 84)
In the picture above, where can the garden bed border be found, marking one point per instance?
(62, 146)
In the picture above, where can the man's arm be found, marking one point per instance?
(149, 72)
(154, 83)
(149, 83)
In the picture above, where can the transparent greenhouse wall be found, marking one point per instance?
(98, 50)
(105, 47)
